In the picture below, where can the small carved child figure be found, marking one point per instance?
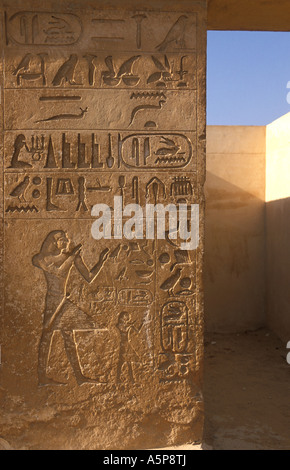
(127, 354)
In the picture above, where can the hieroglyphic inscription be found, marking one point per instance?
(168, 71)
(114, 31)
(56, 175)
(99, 104)
(42, 28)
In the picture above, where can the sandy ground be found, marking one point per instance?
(246, 392)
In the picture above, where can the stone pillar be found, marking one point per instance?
(101, 340)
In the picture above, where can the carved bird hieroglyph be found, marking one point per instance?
(24, 64)
(20, 189)
(171, 282)
(176, 35)
(66, 71)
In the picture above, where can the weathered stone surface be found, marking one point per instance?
(101, 340)
(249, 15)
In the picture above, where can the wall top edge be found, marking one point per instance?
(68, 5)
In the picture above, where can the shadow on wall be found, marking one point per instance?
(278, 267)
(234, 274)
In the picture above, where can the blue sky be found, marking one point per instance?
(247, 77)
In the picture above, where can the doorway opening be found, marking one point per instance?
(247, 233)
